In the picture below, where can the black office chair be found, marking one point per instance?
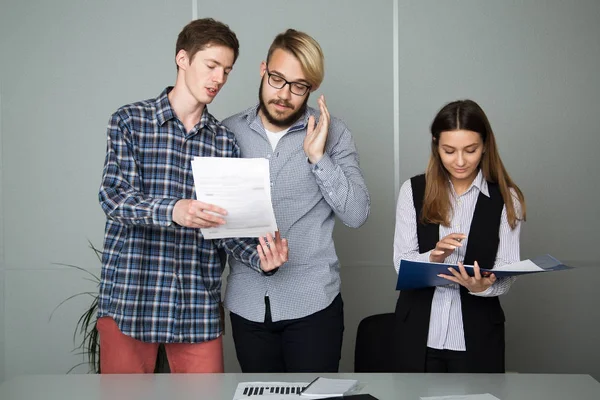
(374, 344)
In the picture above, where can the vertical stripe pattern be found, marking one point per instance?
(446, 323)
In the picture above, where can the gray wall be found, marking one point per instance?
(2, 280)
(67, 66)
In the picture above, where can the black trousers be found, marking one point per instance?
(309, 344)
(446, 361)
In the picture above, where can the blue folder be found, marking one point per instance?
(418, 274)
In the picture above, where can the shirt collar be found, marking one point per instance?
(479, 182)
(164, 111)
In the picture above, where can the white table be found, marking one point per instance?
(222, 386)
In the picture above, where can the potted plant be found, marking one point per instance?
(89, 344)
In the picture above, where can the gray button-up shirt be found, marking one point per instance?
(306, 198)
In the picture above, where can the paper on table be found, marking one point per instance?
(485, 396)
(324, 387)
(242, 187)
(269, 390)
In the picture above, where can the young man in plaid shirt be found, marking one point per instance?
(161, 279)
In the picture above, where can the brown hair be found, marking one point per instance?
(465, 115)
(306, 50)
(202, 33)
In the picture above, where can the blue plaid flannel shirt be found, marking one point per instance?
(161, 282)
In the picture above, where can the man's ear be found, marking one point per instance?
(263, 68)
(181, 59)
(314, 89)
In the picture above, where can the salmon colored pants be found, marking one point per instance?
(121, 354)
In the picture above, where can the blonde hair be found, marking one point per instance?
(306, 50)
(465, 115)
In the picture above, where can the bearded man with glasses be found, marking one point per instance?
(291, 320)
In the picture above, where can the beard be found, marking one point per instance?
(274, 119)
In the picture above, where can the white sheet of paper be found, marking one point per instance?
(327, 387)
(242, 187)
(525, 266)
(270, 390)
(485, 396)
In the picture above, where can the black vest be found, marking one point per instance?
(483, 318)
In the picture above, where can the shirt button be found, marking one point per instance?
(268, 156)
(271, 184)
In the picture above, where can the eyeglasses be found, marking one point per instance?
(277, 82)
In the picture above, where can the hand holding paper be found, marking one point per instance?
(416, 274)
(241, 186)
(197, 214)
(476, 283)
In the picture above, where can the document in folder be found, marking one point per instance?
(418, 274)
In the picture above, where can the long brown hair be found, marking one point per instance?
(465, 115)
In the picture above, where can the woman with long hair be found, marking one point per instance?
(464, 209)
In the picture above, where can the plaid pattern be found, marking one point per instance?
(161, 282)
(306, 199)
